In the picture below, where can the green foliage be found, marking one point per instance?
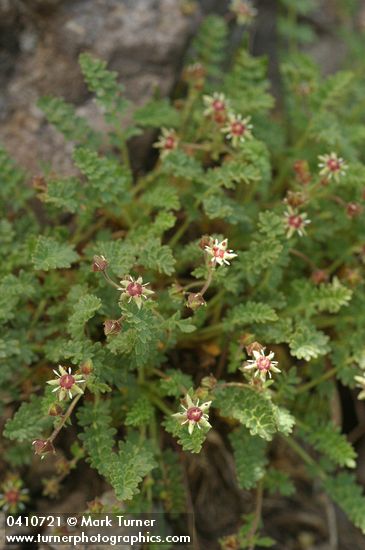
(29, 422)
(175, 383)
(118, 277)
(108, 181)
(349, 496)
(84, 309)
(250, 408)
(108, 93)
(246, 84)
(278, 482)
(124, 468)
(250, 457)
(157, 113)
(170, 485)
(210, 44)
(327, 439)
(308, 343)
(50, 254)
(62, 115)
(140, 412)
(190, 443)
(248, 314)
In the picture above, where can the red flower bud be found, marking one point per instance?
(55, 410)
(353, 209)
(302, 172)
(86, 368)
(319, 276)
(195, 301)
(112, 326)
(99, 263)
(255, 346)
(43, 447)
(206, 240)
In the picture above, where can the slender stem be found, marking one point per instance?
(313, 383)
(179, 233)
(67, 414)
(158, 402)
(257, 513)
(109, 280)
(304, 455)
(208, 281)
(303, 257)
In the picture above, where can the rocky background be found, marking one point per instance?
(145, 41)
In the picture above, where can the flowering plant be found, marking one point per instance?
(143, 304)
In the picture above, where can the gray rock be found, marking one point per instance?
(143, 40)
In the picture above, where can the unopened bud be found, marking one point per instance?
(86, 368)
(55, 410)
(302, 172)
(39, 183)
(255, 346)
(353, 209)
(209, 382)
(295, 199)
(195, 74)
(195, 301)
(112, 326)
(206, 240)
(99, 263)
(43, 447)
(319, 276)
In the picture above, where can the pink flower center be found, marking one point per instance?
(12, 496)
(170, 142)
(295, 221)
(263, 363)
(333, 165)
(218, 252)
(238, 129)
(218, 105)
(67, 381)
(194, 414)
(134, 289)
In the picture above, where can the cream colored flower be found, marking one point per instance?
(332, 166)
(263, 364)
(194, 414)
(66, 383)
(238, 129)
(295, 222)
(216, 107)
(134, 290)
(167, 141)
(219, 252)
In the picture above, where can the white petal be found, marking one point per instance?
(191, 427)
(189, 401)
(249, 367)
